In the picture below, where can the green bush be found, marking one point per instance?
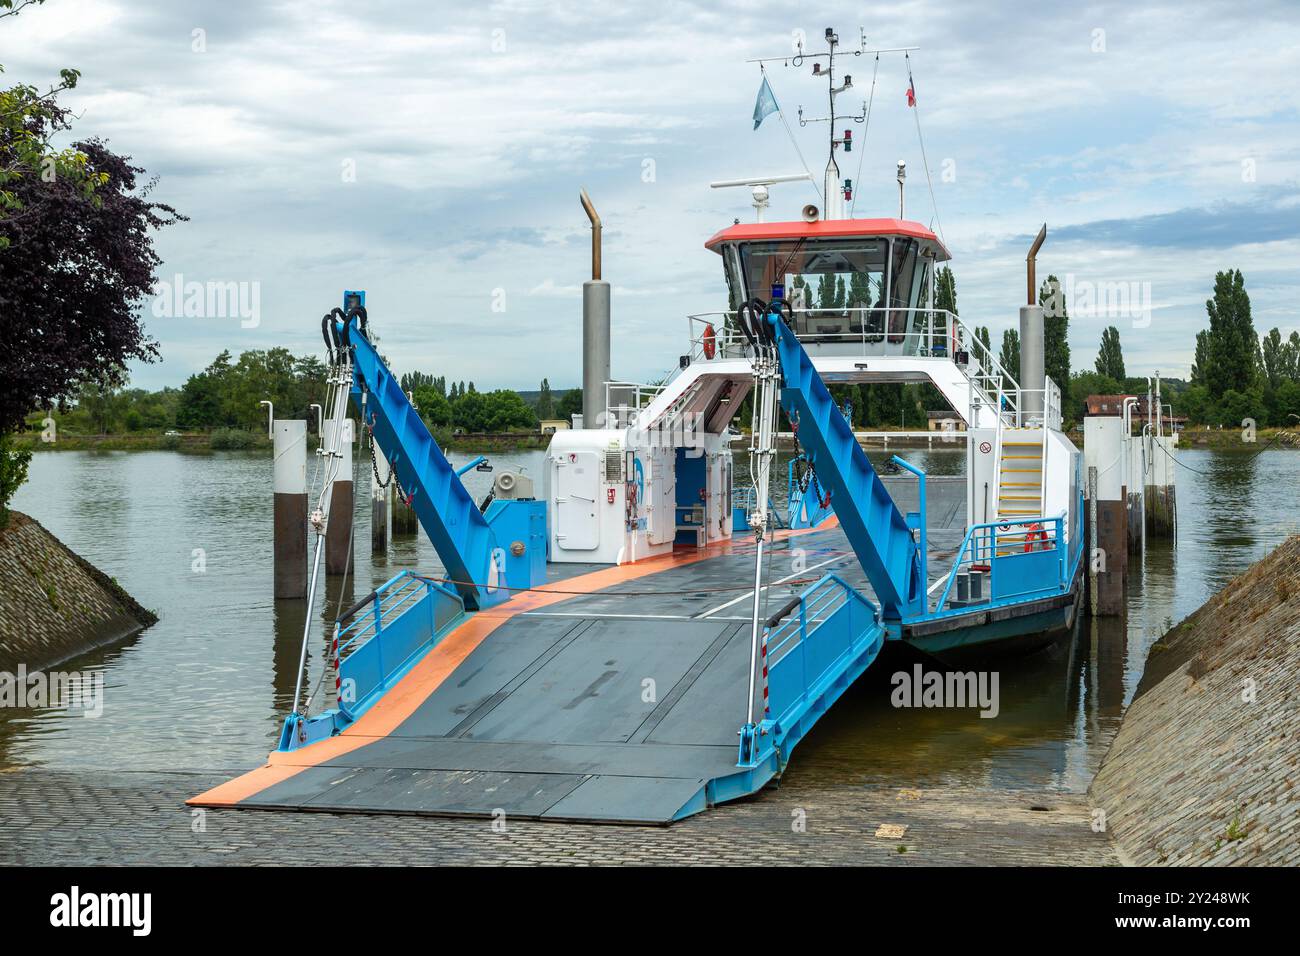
(230, 439)
(13, 472)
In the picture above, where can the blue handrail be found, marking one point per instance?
(981, 542)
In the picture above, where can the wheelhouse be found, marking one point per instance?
(847, 282)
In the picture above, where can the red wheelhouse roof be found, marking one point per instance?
(826, 229)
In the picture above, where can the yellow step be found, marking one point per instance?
(1020, 457)
(1017, 497)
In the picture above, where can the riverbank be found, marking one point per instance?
(55, 605)
(237, 440)
(1203, 768)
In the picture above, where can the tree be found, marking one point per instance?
(570, 404)
(1009, 357)
(825, 292)
(1231, 343)
(434, 407)
(74, 278)
(1272, 358)
(1056, 335)
(545, 402)
(1202, 360)
(982, 333)
(945, 292)
(1110, 357)
(76, 260)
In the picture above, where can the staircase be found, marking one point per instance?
(1020, 478)
(877, 531)
(459, 532)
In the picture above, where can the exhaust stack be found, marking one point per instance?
(595, 330)
(1032, 360)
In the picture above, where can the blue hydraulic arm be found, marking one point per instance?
(877, 531)
(461, 535)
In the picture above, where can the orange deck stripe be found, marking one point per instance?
(403, 699)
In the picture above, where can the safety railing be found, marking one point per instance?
(1016, 559)
(624, 402)
(379, 635)
(807, 639)
(869, 332)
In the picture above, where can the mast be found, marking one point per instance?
(837, 190)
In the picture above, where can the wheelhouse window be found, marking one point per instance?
(839, 288)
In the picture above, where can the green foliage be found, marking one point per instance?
(29, 119)
(1056, 334)
(1009, 356)
(945, 290)
(1110, 357)
(13, 472)
(434, 408)
(231, 439)
(545, 402)
(228, 393)
(1231, 344)
(570, 404)
(498, 411)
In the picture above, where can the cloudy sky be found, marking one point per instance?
(432, 153)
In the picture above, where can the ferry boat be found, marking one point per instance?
(643, 637)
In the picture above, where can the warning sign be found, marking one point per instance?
(985, 448)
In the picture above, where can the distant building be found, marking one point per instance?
(1114, 405)
(945, 421)
(549, 426)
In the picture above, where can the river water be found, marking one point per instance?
(208, 686)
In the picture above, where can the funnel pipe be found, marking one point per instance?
(1031, 264)
(595, 234)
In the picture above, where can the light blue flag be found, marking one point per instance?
(765, 104)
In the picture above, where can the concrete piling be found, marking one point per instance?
(338, 533)
(289, 485)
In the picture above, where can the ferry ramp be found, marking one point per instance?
(613, 695)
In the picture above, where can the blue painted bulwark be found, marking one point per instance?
(877, 531)
(459, 532)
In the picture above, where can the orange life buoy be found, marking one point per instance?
(1034, 533)
(710, 341)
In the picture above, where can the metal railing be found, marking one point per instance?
(1020, 558)
(379, 634)
(806, 638)
(870, 332)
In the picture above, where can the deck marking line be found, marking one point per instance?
(750, 593)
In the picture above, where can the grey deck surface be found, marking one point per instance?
(616, 706)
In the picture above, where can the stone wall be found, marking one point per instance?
(54, 604)
(1206, 766)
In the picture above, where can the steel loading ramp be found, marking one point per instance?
(610, 696)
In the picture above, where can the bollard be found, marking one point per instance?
(338, 532)
(381, 490)
(289, 522)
